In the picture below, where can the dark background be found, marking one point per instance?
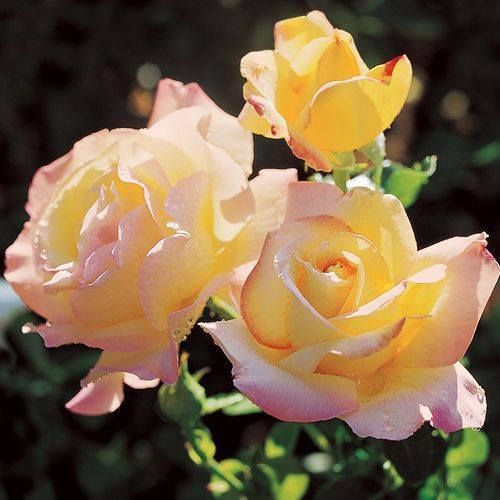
(70, 67)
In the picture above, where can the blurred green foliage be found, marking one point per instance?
(70, 67)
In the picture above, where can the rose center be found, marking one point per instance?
(341, 268)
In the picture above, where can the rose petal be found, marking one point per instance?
(98, 398)
(161, 363)
(340, 60)
(269, 189)
(305, 150)
(27, 281)
(380, 102)
(291, 35)
(43, 185)
(173, 271)
(224, 130)
(136, 383)
(172, 95)
(386, 308)
(307, 398)
(307, 359)
(307, 199)
(449, 398)
(383, 221)
(471, 276)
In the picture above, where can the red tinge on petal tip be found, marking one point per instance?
(390, 65)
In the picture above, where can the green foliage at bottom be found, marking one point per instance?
(324, 460)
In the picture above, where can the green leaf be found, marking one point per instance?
(405, 183)
(243, 407)
(317, 437)
(201, 447)
(293, 487)
(418, 456)
(265, 481)
(281, 440)
(473, 450)
(182, 402)
(487, 154)
(222, 401)
(432, 488)
(221, 488)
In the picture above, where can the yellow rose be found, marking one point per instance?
(132, 230)
(343, 317)
(315, 91)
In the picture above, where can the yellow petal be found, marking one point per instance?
(264, 300)
(345, 115)
(340, 60)
(259, 68)
(383, 221)
(292, 34)
(359, 347)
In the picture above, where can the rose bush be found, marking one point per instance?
(315, 91)
(343, 317)
(132, 230)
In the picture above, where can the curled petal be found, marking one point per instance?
(332, 118)
(159, 363)
(291, 35)
(339, 60)
(292, 398)
(260, 69)
(128, 336)
(98, 398)
(386, 308)
(269, 190)
(449, 398)
(136, 383)
(181, 322)
(261, 117)
(307, 151)
(172, 95)
(43, 185)
(383, 221)
(238, 279)
(471, 275)
(359, 346)
(173, 271)
(109, 300)
(27, 281)
(224, 131)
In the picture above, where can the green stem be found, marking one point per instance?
(221, 401)
(377, 174)
(215, 467)
(341, 177)
(222, 308)
(230, 479)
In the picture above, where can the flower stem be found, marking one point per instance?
(212, 465)
(377, 175)
(341, 177)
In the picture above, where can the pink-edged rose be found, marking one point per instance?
(343, 317)
(133, 230)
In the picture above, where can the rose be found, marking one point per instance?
(343, 317)
(131, 231)
(315, 91)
